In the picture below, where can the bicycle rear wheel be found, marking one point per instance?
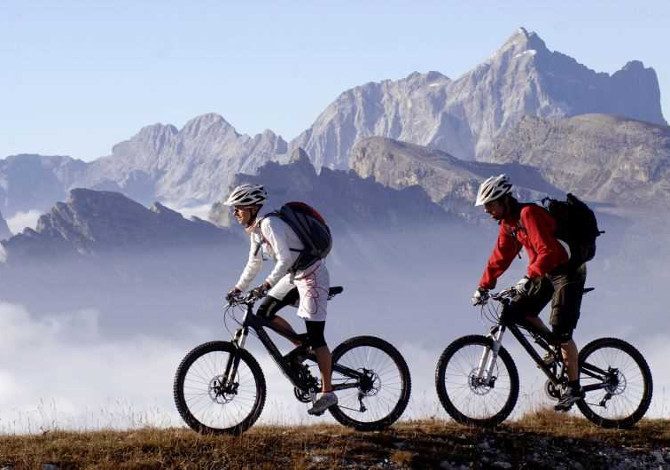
(207, 401)
(381, 396)
(467, 397)
(623, 381)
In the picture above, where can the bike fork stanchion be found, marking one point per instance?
(488, 360)
(483, 361)
(234, 361)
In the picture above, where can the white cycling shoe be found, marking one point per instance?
(322, 403)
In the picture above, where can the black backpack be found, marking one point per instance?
(311, 229)
(576, 225)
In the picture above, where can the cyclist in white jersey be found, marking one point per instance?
(273, 238)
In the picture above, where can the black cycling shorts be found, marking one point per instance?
(566, 302)
(315, 331)
(564, 288)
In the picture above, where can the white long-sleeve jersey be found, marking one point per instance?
(274, 238)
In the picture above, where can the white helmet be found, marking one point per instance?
(493, 188)
(247, 195)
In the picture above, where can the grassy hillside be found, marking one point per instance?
(540, 440)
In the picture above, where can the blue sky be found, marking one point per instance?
(79, 76)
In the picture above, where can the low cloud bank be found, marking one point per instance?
(21, 220)
(58, 372)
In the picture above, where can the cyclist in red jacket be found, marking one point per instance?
(549, 276)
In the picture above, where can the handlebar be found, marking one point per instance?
(249, 298)
(504, 294)
(507, 294)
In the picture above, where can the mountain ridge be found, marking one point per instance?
(605, 158)
(466, 114)
(344, 198)
(448, 181)
(464, 118)
(94, 222)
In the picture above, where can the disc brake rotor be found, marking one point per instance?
(477, 385)
(219, 393)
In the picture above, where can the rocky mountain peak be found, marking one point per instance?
(87, 198)
(521, 41)
(465, 116)
(272, 141)
(99, 221)
(634, 65)
(151, 139)
(365, 199)
(425, 78)
(182, 167)
(156, 131)
(433, 76)
(269, 134)
(206, 124)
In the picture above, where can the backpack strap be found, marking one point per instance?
(277, 214)
(512, 233)
(258, 223)
(519, 227)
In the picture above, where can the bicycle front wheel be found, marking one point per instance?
(211, 403)
(470, 396)
(380, 391)
(617, 381)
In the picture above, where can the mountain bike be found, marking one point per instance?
(478, 383)
(219, 387)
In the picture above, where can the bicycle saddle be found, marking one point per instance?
(333, 291)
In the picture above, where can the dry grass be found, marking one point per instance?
(421, 444)
(548, 421)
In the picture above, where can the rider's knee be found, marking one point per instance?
(268, 308)
(562, 334)
(315, 337)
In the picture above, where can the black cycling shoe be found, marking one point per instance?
(569, 398)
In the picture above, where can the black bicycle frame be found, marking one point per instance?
(258, 324)
(543, 342)
(521, 338)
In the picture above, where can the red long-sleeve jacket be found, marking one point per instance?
(532, 228)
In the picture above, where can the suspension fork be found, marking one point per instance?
(234, 359)
(489, 356)
(239, 340)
